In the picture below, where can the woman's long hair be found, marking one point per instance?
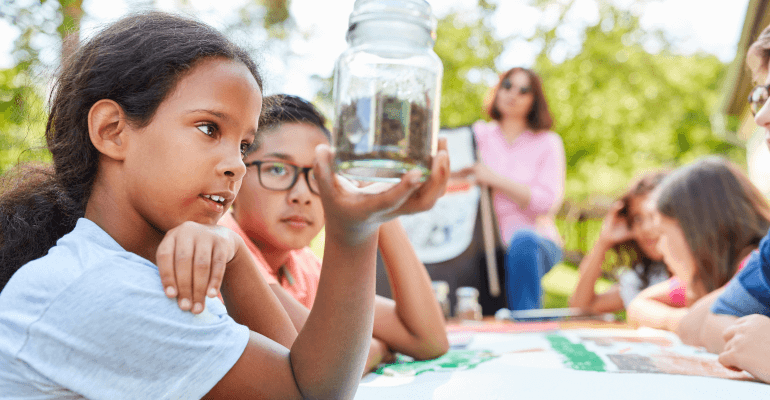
(539, 117)
(137, 62)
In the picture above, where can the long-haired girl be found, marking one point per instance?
(148, 126)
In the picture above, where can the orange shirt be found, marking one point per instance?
(299, 276)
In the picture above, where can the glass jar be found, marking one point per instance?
(387, 87)
(468, 307)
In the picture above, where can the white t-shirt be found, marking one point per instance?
(631, 284)
(90, 320)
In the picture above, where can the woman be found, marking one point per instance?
(523, 163)
(629, 229)
(710, 219)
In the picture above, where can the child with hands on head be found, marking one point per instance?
(630, 230)
(148, 126)
(736, 323)
(710, 218)
(278, 212)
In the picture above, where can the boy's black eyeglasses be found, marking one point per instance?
(506, 84)
(279, 175)
(758, 97)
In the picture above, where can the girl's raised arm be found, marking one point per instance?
(328, 355)
(614, 230)
(653, 308)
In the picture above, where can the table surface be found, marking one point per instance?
(561, 360)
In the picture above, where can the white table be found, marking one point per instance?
(583, 363)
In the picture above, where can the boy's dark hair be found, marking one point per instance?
(539, 118)
(720, 212)
(279, 109)
(137, 62)
(630, 250)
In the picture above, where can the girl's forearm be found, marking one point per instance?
(251, 302)
(416, 307)
(590, 270)
(337, 332)
(378, 353)
(654, 314)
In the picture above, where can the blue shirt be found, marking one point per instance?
(748, 292)
(90, 320)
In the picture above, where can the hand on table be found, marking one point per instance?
(747, 346)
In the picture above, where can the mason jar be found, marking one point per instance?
(387, 87)
(468, 307)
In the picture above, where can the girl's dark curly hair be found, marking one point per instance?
(630, 251)
(137, 62)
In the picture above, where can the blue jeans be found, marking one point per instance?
(529, 257)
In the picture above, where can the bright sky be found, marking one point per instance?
(713, 26)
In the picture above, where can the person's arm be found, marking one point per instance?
(328, 355)
(584, 296)
(378, 350)
(378, 353)
(547, 189)
(712, 331)
(652, 308)
(614, 230)
(691, 327)
(735, 301)
(747, 346)
(412, 323)
(519, 193)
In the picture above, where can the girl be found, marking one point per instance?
(710, 219)
(278, 212)
(736, 324)
(523, 163)
(148, 125)
(629, 229)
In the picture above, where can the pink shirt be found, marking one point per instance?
(677, 289)
(533, 159)
(303, 266)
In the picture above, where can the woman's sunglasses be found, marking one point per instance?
(507, 85)
(758, 97)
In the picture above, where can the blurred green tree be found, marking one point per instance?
(621, 109)
(468, 48)
(22, 111)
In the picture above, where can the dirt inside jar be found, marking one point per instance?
(384, 139)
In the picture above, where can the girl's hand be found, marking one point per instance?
(355, 213)
(746, 346)
(615, 227)
(191, 260)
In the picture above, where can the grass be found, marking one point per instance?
(560, 282)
